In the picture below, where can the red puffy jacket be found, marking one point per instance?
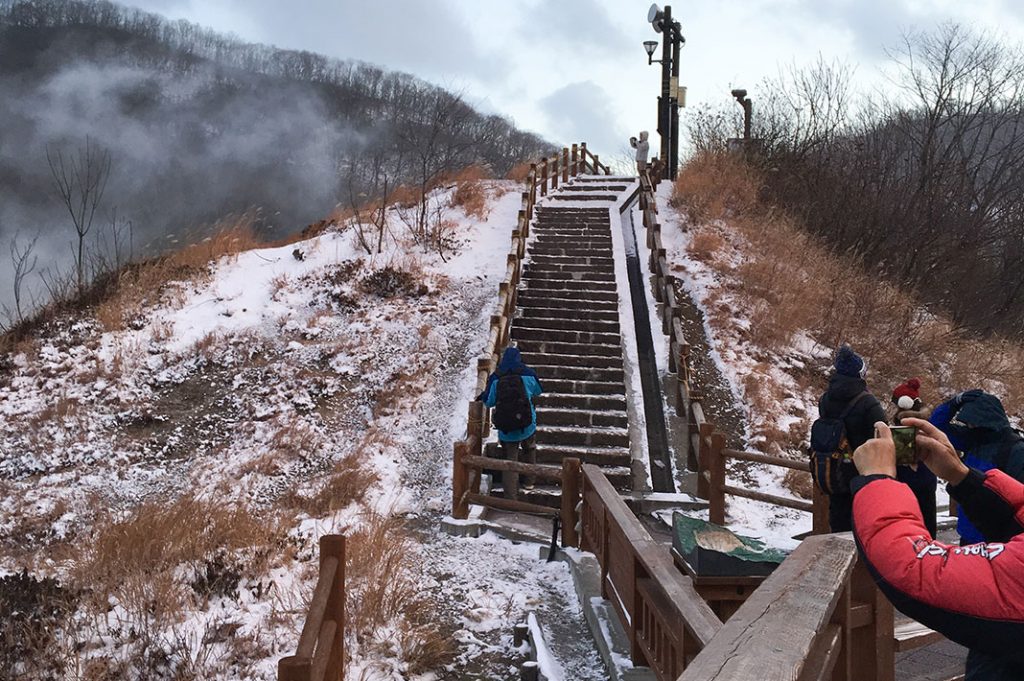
(974, 595)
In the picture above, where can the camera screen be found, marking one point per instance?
(905, 439)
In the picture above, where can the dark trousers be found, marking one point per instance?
(511, 450)
(984, 667)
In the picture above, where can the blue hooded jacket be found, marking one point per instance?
(512, 363)
(976, 423)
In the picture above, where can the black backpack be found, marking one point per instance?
(512, 410)
(830, 448)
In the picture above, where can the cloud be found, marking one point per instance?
(580, 26)
(583, 112)
(429, 39)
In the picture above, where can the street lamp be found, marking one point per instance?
(668, 102)
(744, 101)
(651, 46)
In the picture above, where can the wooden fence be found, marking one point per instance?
(818, 616)
(320, 655)
(708, 453)
(547, 173)
(667, 621)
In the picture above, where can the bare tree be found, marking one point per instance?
(24, 261)
(80, 181)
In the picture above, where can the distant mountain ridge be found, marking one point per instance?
(200, 125)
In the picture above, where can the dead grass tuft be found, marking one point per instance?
(519, 172)
(472, 197)
(716, 186)
(143, 561)
(384, 578)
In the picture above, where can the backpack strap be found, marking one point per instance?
(853, 403)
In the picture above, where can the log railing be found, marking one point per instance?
(320, 655)
(667, 621)
(818, 616)
(547, 173)
(708, 454)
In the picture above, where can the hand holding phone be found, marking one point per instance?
(905, 438)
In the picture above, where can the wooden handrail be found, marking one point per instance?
(320, 654)
(667, 620)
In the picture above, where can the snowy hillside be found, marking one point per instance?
(173, 476)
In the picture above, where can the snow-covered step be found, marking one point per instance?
(577, 260)
(586, 287)
(573, 300)
(582, 418)
(560, 400)
(553, 336)
(570, 324)
(560, 277)
(595, 186)
(583, 436)
(541, 346)
(589, 361)
(550, 454)
(568, 251)
(569, 373)
(610, 198)
(537, 312)
(585, 387)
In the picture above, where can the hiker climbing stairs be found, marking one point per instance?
(567, 328)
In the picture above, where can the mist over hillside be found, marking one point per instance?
(199, 126)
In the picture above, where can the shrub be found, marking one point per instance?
(389, 282)
(715, 186)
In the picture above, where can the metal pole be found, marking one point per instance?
(674, 104)
(664, 102)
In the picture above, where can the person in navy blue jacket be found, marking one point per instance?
(524, 438)
(976, 423)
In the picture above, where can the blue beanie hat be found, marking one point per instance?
(848, 362)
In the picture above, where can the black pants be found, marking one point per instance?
(984, 667)
(510, 479)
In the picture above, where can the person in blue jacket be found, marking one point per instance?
(975, 422)
(525, 438)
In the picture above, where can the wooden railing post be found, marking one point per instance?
(716, 466)
(333, 546)
(571, 473)
(575, 160)
(565, 164)
(703, 461)
(460, 482)
(476, 427)
(819, 514)
(544, 177)
(556, 174)
(597, 165)
(583, 157)
(294, 668)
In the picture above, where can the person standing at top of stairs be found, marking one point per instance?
(642, 147)
(510, 391)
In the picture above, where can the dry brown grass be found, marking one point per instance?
(519, 172)
(472, 197)
(148, 282)
(716, 186)
(794, 283)
(348, 482)
(384, 581)
(142, 560)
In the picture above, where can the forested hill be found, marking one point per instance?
(199, 125)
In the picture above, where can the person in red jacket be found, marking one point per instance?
(974, 594)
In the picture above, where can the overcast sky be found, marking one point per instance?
(575, 70)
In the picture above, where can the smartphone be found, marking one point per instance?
(905, 438)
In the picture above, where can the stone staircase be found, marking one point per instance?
(567, 327)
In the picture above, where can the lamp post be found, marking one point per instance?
(668, 102)
(744, 101)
